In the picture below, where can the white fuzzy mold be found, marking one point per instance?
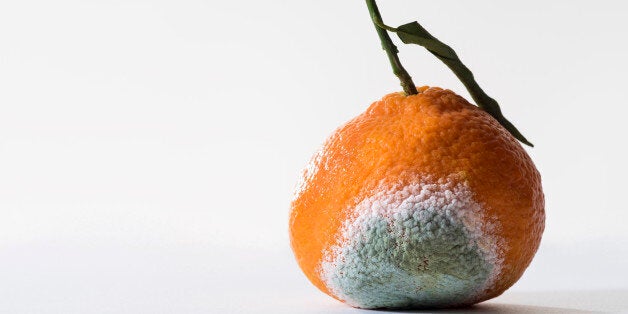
(422, 245)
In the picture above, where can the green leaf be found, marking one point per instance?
(414, 33)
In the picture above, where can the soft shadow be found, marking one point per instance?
(517, 308)
(594, 301)
(495, 308)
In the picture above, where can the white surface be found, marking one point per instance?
(102, 278)
(148, 149)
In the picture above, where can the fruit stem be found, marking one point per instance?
(391, 50)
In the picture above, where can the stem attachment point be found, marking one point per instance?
(391, 50)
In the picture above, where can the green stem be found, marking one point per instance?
(391, 50)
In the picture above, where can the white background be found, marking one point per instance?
(148, 149)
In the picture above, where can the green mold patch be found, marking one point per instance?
(417, 247)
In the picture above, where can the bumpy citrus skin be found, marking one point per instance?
(421, 201)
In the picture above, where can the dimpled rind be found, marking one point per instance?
(421, 201)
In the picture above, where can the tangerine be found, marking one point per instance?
(422, 201)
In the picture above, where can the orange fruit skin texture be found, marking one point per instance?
(434, 134)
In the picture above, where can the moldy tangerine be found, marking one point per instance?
(422, 201)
